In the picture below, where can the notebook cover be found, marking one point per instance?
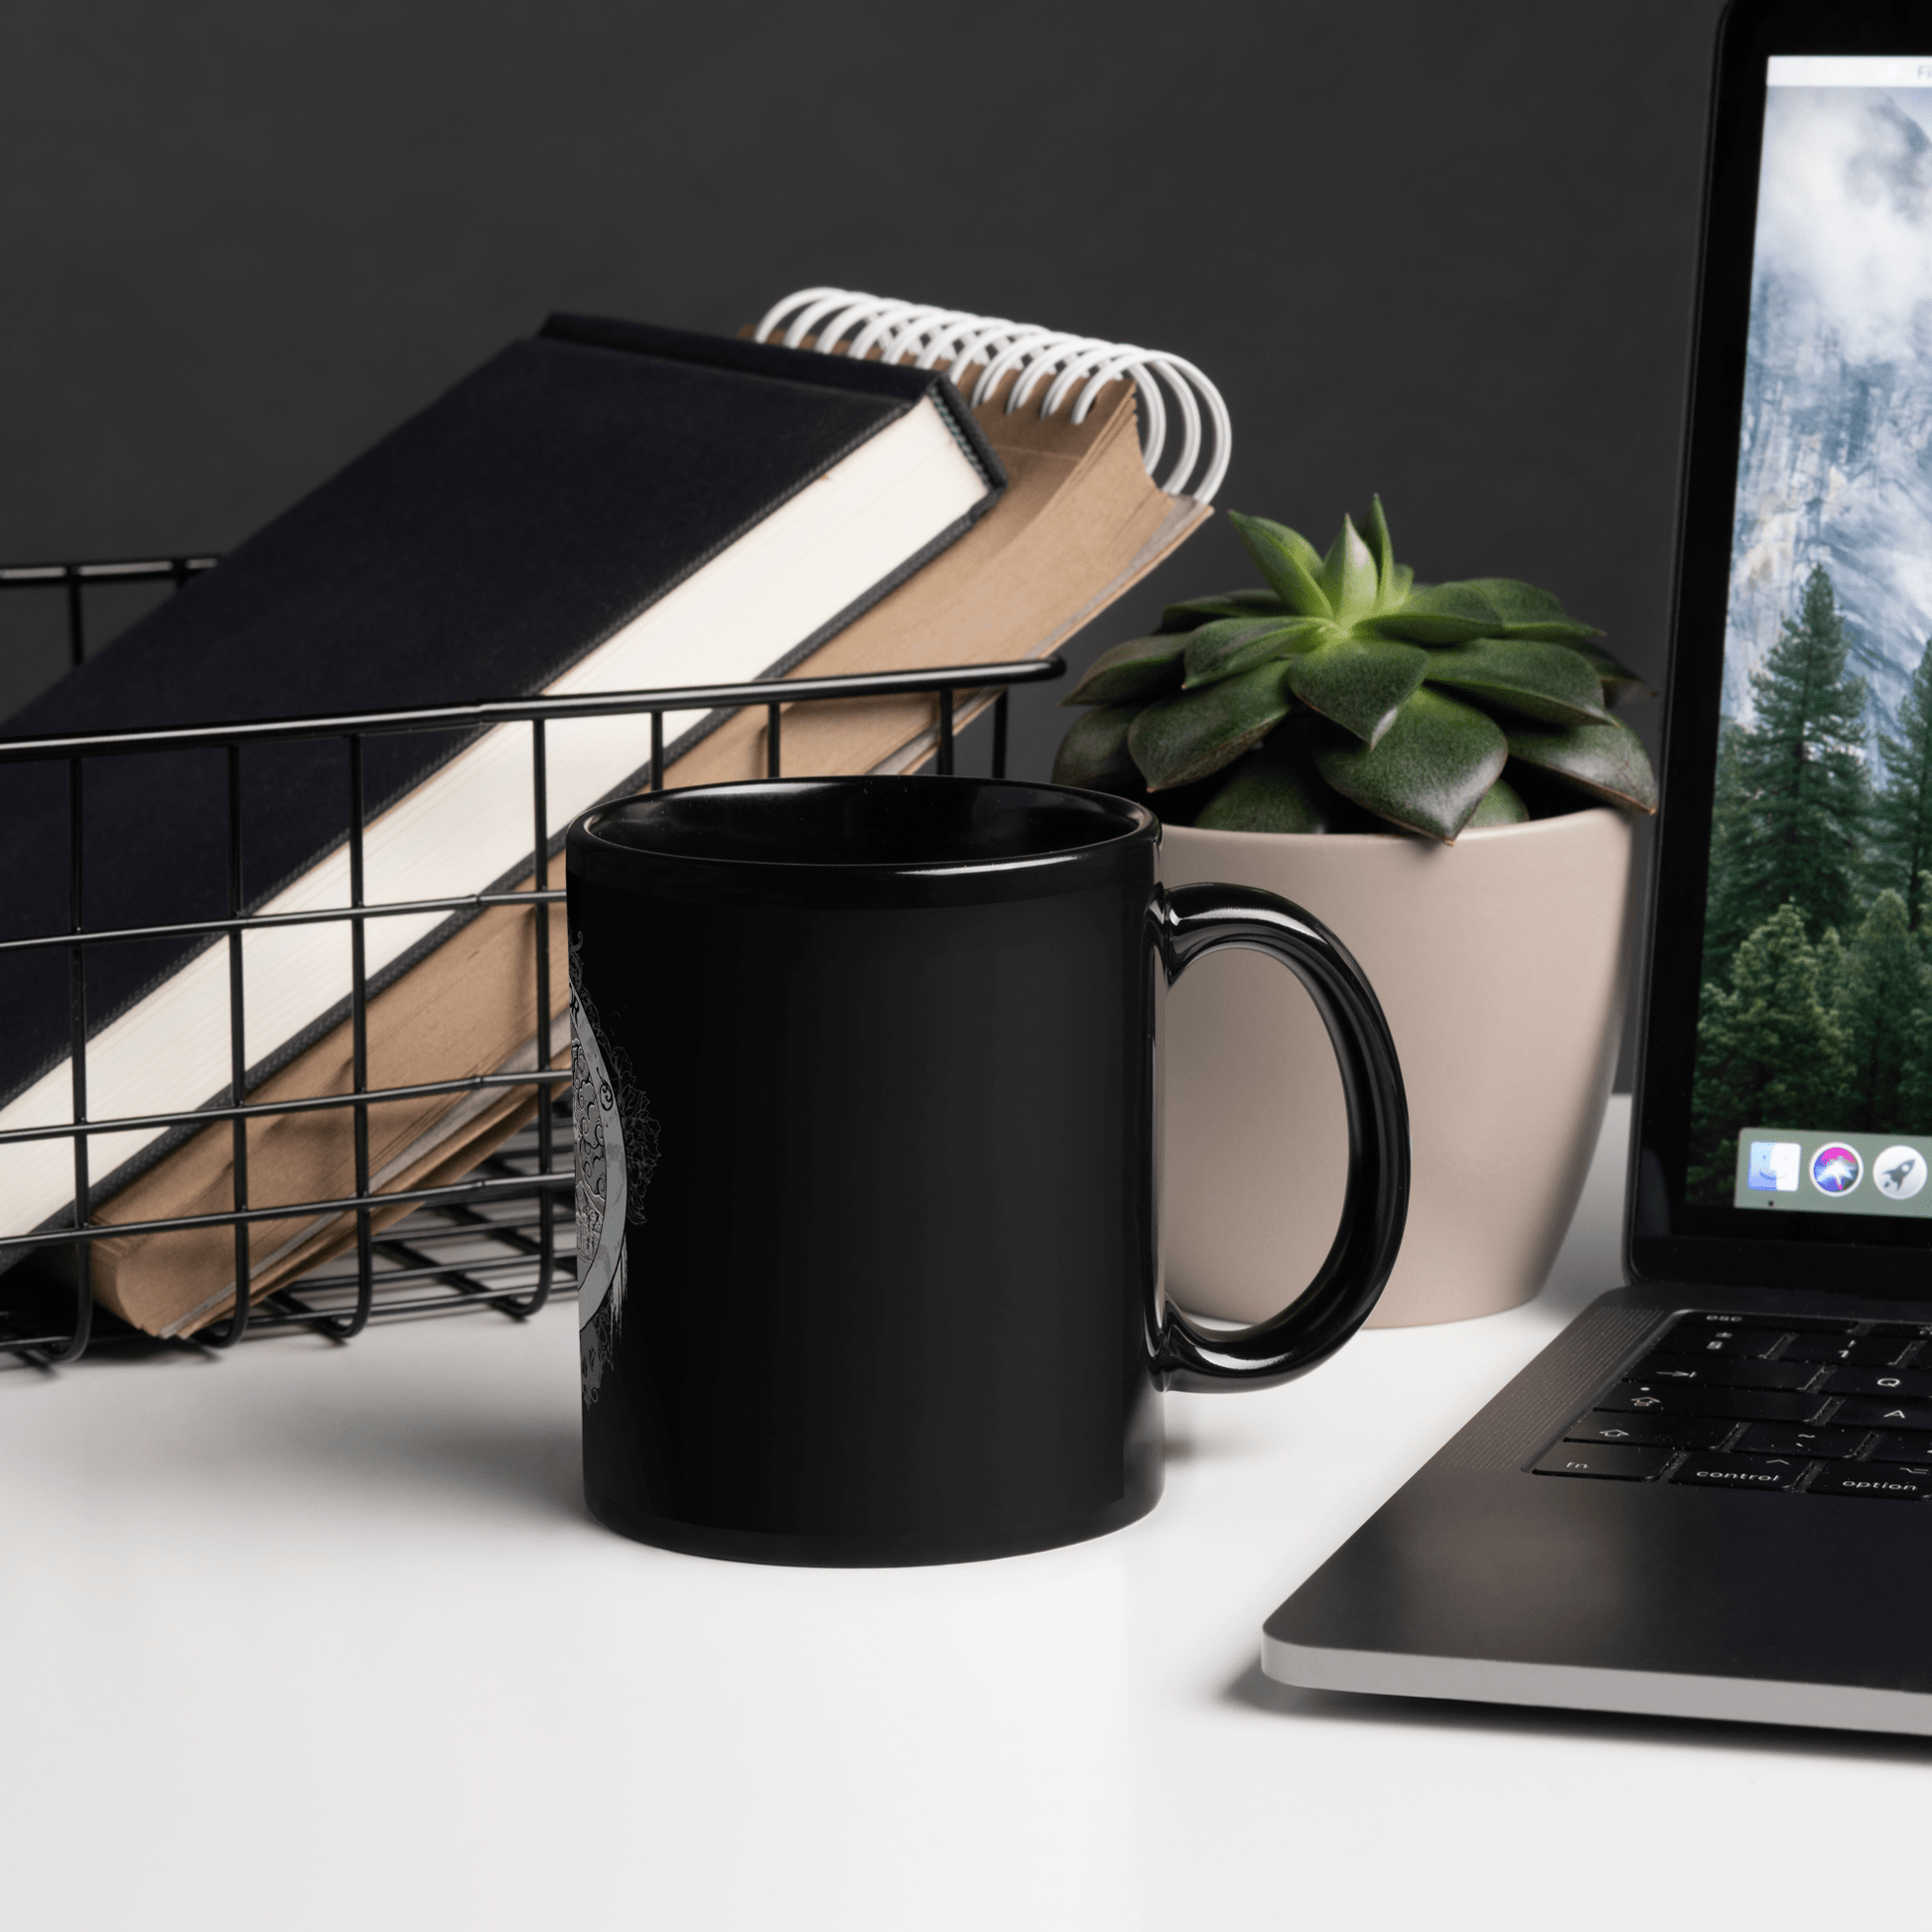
(476, 551)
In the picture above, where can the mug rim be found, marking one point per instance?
(1128, 850)
(1136, 823)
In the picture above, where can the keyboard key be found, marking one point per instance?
(1731, 1374)
(1807, 1325)
(1868, 1351)
(1622, 1463)
(1899, 1383)
(1720, 1471)
(1902, 1448)
(1669, 1432)
(1881, 1479)
(1876, 1412)
(1750, 1344)
(1781, 1438)
(1693, 1399)
(1906, 1331)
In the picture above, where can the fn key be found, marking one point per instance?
(1615, 1460)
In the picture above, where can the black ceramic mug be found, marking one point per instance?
(868, 1243)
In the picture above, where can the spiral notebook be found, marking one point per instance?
(1112, 455)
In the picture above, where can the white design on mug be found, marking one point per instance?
(617, 1152)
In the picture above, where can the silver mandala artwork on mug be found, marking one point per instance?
(617, 1153)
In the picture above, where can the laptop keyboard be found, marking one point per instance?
(1765, 1402)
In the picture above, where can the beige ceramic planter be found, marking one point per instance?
(1499, 964)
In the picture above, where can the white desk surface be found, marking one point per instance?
(315, 1636)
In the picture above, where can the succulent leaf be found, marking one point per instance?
(1619, 682)
(1441, 613)
(1550, 682)
(1304, 552)
(1382, 547)
(1196, 732)
(1501, 805)
(1527, 612)
(1482, 607)
(1520, 604)
(1231, 646)
(1141, 668)
(1348, 574)
(1194, 611)
(1512, 598)
(1094, 752)
(1288, 562)
(1274, 789)
(1608, 760)
(1428, 773)
(1405, 581)
(1358, 682)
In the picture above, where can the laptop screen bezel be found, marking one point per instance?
(1667, 1239)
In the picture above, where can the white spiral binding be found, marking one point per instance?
(1080, 366)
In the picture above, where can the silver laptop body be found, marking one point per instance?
(1712, 1495)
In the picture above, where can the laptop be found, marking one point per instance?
(1710, 1496)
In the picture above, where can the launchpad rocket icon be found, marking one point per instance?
(1899, 1172)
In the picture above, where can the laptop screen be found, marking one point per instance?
(1812, 1088)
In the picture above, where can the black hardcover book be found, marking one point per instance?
(606, 507)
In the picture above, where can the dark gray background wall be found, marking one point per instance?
(1439, 250)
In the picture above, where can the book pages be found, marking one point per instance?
(1080, 524)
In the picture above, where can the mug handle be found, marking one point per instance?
(1191, 921)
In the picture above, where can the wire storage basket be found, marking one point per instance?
(501, 1238)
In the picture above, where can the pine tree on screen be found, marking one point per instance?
(1883, 988)
(1771, 1051)
(1915, 1086)
(1900, 836)
(1729, 824)
(1802, 795)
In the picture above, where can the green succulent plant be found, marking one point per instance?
(1348, 696)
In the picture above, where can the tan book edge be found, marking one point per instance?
(1080, 524)
(468, 1009)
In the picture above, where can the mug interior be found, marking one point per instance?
(867, 821)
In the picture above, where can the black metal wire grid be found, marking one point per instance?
(493, 1240)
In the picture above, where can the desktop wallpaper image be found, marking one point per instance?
(1817, 1001)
